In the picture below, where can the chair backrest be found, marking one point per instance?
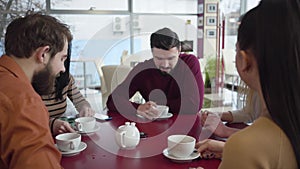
(134, 59)
(113, 75)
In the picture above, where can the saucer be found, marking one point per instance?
(168, 115)
(193, 156)
(82, 146)
(100, 116)
(96, 128)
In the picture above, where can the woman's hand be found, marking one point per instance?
(60, 126)
(206, 114)
(213, 123)
(86, 111)
(210, 148)
(148, 110)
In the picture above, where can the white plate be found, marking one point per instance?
(169, 115)
(82, 146)
(100, 116)
(193, 156)
(96, 128)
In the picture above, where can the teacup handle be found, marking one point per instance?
(72, 147)
(122, 139)
(79, 126)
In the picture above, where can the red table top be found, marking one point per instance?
(103, 152)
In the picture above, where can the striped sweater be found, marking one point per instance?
(57, 108)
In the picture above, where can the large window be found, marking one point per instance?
(177, 23)
(107, 35)
(165, 6)
(10, 9)
(104, 29)
(251, 4)
(95, 43)
(95, 36)
(89, 5)
(232, 10)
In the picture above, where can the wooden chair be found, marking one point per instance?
(113, 75)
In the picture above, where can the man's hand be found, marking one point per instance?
(148, 110)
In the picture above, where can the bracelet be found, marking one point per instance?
(52, 123)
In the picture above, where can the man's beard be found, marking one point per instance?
(43, 82)
(163, 72)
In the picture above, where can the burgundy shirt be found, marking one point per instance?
(182, 89)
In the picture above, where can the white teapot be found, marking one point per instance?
(128, 135)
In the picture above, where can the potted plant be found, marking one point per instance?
(210, 74)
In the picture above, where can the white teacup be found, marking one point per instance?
(85, 123)
(68, 141)
(163, 110)
(181, 145)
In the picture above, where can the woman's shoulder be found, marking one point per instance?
(261, 143)
(262, 128)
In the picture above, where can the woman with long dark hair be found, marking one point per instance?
(268, 60)
(56, 102)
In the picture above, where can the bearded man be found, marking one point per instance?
(35, 50)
